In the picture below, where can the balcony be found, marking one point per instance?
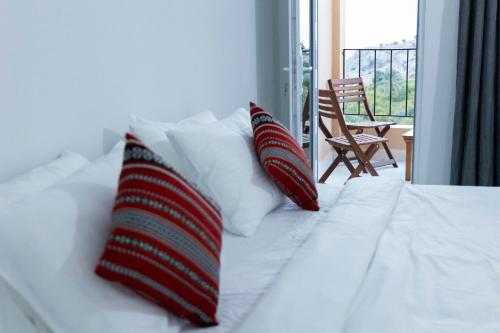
(389, 79)
(386, 61)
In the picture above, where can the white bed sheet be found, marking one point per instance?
(315, 289)
(379, 257)
(251, 265)
(12, 316)
(437, 266)
(392, 258)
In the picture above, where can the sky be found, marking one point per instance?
(369, 23)
(372, 22)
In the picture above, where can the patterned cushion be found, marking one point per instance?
(165, 240)
(283, 159)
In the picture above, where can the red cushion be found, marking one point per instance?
(283, 159)
(165, 240)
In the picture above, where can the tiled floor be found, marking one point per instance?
(340, 175)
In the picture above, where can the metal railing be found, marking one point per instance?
(410, 54)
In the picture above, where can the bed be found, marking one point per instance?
(398, 258)
(380, 256)
(409, 259)
(249, 265)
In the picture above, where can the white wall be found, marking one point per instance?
(438, 31)
(268, 68)
(69, 69)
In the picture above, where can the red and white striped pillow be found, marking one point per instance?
(283, 159)
(165, 240)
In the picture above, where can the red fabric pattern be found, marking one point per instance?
(165, 240)
(283, 159)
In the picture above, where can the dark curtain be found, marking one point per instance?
(476, 136)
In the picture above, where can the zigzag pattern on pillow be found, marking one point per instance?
(165, 240)
(283, 159)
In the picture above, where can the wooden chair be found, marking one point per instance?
(353, 91)
(329, 107)
(306, 139)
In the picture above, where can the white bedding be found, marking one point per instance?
(76, 300)
(437, 266)
(381, 256)
(15, 315)
(250, 265)
(12, 316)
(393, 258)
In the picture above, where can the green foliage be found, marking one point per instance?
(402, 109)
(395, 99)
(382, 110)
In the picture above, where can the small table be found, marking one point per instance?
(408, 137)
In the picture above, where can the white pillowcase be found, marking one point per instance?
(154, 135)
(16, 315)
(206, 116)
(226, 165)
(40, 177)
(49, 255)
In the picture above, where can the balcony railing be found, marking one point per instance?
(389, 77)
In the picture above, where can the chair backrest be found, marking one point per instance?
(329, 107)
(351, 91)
(305, 116)
(325, 110)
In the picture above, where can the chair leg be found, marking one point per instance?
(346, 160)
(389, 154)
(386, 146)
(364, 162)
(364, 169)
(356, 172)
(369, 154)
(330, 169)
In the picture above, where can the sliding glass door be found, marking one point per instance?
(301, 74)
(312, 69)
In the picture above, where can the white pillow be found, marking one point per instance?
(40, 177)
(223, 156)
(154, 135)
(199, 118)
(49, 255)
(16, 314)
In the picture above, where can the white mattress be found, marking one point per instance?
(392, 258)
(251, 265)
